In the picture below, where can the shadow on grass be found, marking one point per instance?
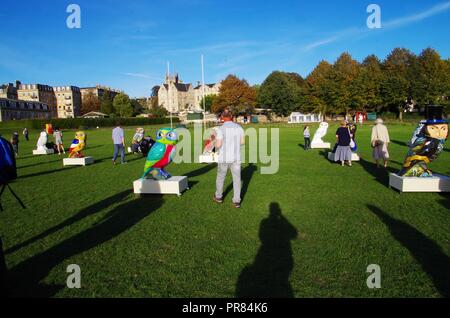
(90, 210)
(200, 171)
(25, 279)
(268, 276)
(430, 256)
(43, 173)
(400, 143)
(39, 163)
(381, 174)
(246, 177)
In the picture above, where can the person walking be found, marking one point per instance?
(307, 136)
(380, 141)
(25, 133)
(230, 137)
(118, 138)
(15, 142)
(343, 139)
(58, 135)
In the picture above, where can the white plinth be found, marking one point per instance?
(212, 158)
(173, 185)
(43, 152)
(355, 156)
(78, 161)
(321, 145)
(437, 183)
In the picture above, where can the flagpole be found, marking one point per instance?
(203, 94)
(168, 93)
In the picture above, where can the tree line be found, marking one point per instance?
(401, 81)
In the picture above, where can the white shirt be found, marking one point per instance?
(231, 135)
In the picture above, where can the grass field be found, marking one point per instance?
(309, 231)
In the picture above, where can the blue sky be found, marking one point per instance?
(126, 44)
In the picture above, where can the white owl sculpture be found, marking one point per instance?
(320, 133)
(42, 141)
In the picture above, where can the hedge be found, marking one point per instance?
(76, 123)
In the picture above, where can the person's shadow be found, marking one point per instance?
(268, 276)
(25, 279)
(430, 255)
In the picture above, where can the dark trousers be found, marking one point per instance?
(307, 143)
(119, 148)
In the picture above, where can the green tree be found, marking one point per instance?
(397, 78)
(366, 87)
(159, 111)
(122, 105)
(209, 101)
(235, 94)
(432, 84)
(318, 88)
(90, 103)
(106, 104)
(345, 70)
(280, 92)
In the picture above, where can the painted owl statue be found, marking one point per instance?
(210, 143)
(78, 144)
(139, 135)
(426, 144)
(320, 133)
(42, 141)
(161, 154)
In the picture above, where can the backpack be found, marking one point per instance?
(8, 170)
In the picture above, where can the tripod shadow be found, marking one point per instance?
(268, 276)
(246, 176)
(25, 278)
(90, 210)
(433, 260)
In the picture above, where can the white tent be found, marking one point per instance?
(299, 118)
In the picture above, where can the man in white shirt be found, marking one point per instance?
(230, 138)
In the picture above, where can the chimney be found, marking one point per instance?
(18, 83)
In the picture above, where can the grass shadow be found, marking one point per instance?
(400, 143)
(24, 279)
(381, 174)
(90, 210)
(433, 260)
(268, 275)
(43, 173)
(200, 171)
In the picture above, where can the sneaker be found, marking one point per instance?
(217, 200)
(237, 205)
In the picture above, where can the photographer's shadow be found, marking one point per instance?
(268, 276)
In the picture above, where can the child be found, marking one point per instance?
(307, 136)
(15, 143)
(58, 141)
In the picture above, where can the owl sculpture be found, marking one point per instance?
(426, 144)
(210, 143)
(161, 155)
(42, 141)
(139, 135)
(77, 145)
(320, 133)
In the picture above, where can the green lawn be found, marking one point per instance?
(334, 222)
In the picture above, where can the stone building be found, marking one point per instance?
(11, 109)
(38, 93)
(68, 100)
(176, 97)
(99, 91)
(8, 91)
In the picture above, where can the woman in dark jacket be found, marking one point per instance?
(343, 139)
